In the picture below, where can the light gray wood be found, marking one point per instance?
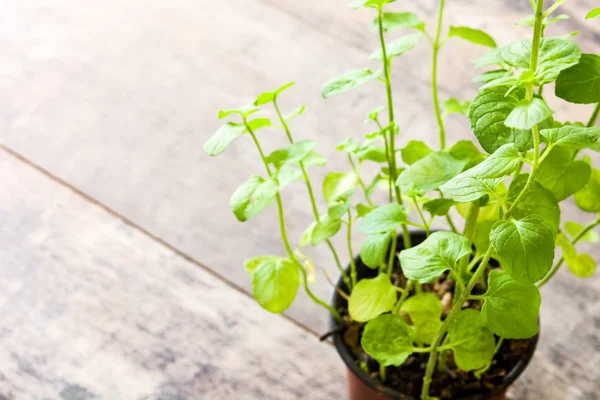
(93, 308)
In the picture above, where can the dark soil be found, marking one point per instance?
(448, 381)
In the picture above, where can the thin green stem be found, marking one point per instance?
(434, 84)
(594, 117)
(425, 224)
(403, 297)
(392, 255)
(311, 195)
(560, 261)
(382, 373)
(350, 251)
(451, 223)
(360, 181)
(486, 259)
(284, 237)
(469, 232)
(476, 297)
(387, 156)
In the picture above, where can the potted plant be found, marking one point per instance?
(446, 314)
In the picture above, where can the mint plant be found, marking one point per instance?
(508, 194)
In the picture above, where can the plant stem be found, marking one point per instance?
(425, 224)
(351, 253)
(392, 255)
(409, 285)
(311, 195)
(392, 145)
(382, 373)
(469, 232)
(576, 239)
(434, 84)
(387, 156)
(284, 237)
(451, 224)
(360, 181)
(486, 259)
(594, 117)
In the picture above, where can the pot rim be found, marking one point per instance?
(350, 361)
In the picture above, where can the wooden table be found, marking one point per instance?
(121, 265)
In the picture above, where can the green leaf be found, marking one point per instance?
(438, 253)
(337, 211)
(574, 228)
(425, 311)
(528, 114)
(396, 20)
(275, 283)
(492, 57)
(472, 35)
(439, 207)
(259, 123)
(337, 185)
(369, 3)
(383, 219)
(348, 81)
(371, 297)
(481, 238)
(538, 201)
(466, 150)
(251, 264)
(581, 83)
(472, 343)
(487, 114)
(525, 248)
(430, 172)
(373, 250)
(253, 196)
(243, 111)
(298, 111)
(572, 137)
(510, 309)
(268, 97)
(588, 198)
(491, 76)
(307, 234)
(398, 46)
(313, 158)
(285, 176)
(454, 106)
(484, 177)
(325, 228)
(363, 209)
(388, 339)
(374, 114)
(582, 265)
(414, 151)
(567, 247)
(593, 14)
(223, 137)
(348, 145)
(292, 154)
(372, 153)
(561, 175)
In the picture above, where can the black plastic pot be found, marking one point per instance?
(362, 386)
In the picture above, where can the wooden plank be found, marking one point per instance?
(93, 308)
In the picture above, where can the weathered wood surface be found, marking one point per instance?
(94, 309)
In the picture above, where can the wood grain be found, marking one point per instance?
(93, 309)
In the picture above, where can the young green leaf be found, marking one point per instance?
(492, 57)
(275, 283)
(525, 248)
(472, 343)
(414, 151)
(371, 297)
(492, 76)
(567, 247)
(285, 176)
(363, 209)
(472, 35)
(439, 207)
(223, 137)
(398, 46)
(454, 106)
(369, 3)
(313, 158)
(292, 154)
(396, 20)
(574, 228)
(243, 111)
(593, 14)
(571, 137)
(582, 265)
(487, 114)
(307, 234)
(348, 81)
(430, 172)
(425, 311)
(561, 175)
(481, 238)
(371, 153)
(348, 145)
(588, 198)
(383, 219)
(298, 111)
(538, 201)
(253, 196)
(251, 264)
(581, 83)
(466, 150)
(437, 254)
(325, 228)
(510, 309)
(527, 114)
(388, 339)
(465, 189)
(338, 185)
(337, 211)
(373, 250)
(268, 97)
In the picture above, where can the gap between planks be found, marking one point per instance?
(147, 233)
